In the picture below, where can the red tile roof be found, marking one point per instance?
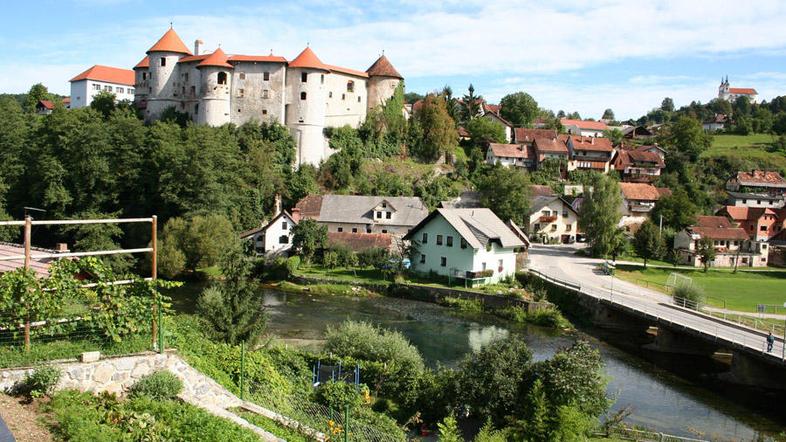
(639, 191)
(46, 104)
(341, 70)
(107, 74)
(143, 63)
(510, 150)
(383, 68)
(541, 190)
(584, 124)
(257, 58)
(743, 91)
(759, 177)
(190, 58)
(741, 213)
(308, 59)
(595, 144)
(720, 233)
(310, 206)
(217, 59)
(720, 222)
(170, 42)
(360, 241)
(495, 108)
(527, 135)
(553, 145)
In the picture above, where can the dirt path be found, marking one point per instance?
(22, 420)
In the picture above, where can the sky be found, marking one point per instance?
(572, 55)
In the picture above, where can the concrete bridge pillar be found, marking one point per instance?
(608, 317)
(752, 370)
(668, 340)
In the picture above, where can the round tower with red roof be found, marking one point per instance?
(216, 84)
(383, 79)
(305, 108)
(162, 59)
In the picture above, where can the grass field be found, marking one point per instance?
(741, 291)
(746, 147)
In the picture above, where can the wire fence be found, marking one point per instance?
(627, 433)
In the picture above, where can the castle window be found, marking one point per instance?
(196, 109)
(358, 99)
(350, 86)
(330, 94)
(343, 96)
(185, 77)
(222, 78)
(266, 76)
(193, 90)
(265, 93)
(322, 79)
(302, 95)
(303, 77)
(144, 75)
(264, 111)
(242, 75)
(163, 61)
(241, 92)
(238, 110)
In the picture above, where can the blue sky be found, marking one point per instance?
(575, 55)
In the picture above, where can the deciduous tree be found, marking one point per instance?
(647, 242)
(519, 108)
(437, 131)
(308, 237)
(506, 191)
(600, 214)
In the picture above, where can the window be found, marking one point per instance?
(463, 243)
(758, 201)
(265, 93)
(266, 76)
(340, 229)
(322, 79)
(350, 86)
(499, 265)
(242, 76)
(483, 266)
(354, 230)
(185, 77)
(283, 225)
(443, 261)
(569, 227)
(97, 87)
(163, 61)
(546, 213)
(343, 96)
(384, 231)
(439, 240)
(120, 90)
(763, 228)
(388, 215)
(330, 94)
(384, 205)
(241, 92)
(303, 77)
(283, 239)
(368, 229)
(358, 99)
(553, 227)
(744, 201)
(449, 241)
(144, 75)
(424, 240)
(302, 95)
(238, 110)
(193, 90)
(565, 214)
(422, 258)
(108, 88)
(537, 227)
(222, 78)
(264, 111)
(379, 214)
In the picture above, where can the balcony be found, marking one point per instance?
(547, 218)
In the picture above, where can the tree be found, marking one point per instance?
(489, 434)
(506, 191)
(614, 135)
(484, 131)
(435, 130)
(706, 252)
(448, 430)
(535, 425)
(677, 210)
(519, 108)
(688, 137)
(232, 307)
(309, 237)
(667, 105)
(471, 105)
(36, 93)
(104, 103)
(600, 214)
(647, 242)
(608, 114)
(201, 240)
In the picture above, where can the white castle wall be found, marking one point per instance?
(214, 104)
(306, 117)
(345, 107)
(162, 83)
(252, 102)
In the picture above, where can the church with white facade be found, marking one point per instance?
(304, 94)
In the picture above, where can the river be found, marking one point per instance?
(657, 398)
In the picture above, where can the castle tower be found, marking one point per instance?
(216, 84)
(141, 82)
(723, 89)
(305, 108)
(383, 79)
(162, 72)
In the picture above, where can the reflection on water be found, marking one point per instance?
(657, 398)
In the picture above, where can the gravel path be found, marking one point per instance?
(22, 421)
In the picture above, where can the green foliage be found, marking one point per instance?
(233, 308)
(648, 242)
(376, 257)
(160, 386)
(386, 125)
(41, 381)
(92, 237)
(198, 242)
(506, 191)
(484, 130)
(448, 430)
(36, 93)
(544, 317)
(678, 210)
(489, 434)
(434, 131)
(104, 103)
(599, 216)
(292, 264)
(687, 137)
(337, 395)
(689, 291)
(614, 135)
(519, 108)
(464, 305)
(308, 237)
(706, 252)
(608, 114)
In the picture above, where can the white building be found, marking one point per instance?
(274, 238)
(725, 92)
(516, 155)
(98, 79)
(638, 201)
(304, 94)
(553, 219)
(731, 244)
(757, 188)
(585, 128)
(470, 244)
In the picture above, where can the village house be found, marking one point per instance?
(525, 135)
(516, 155)
(553, 219)
(274, 238)
(584, 128)
(638, 200)
(732, 245)
(589, 153)
(640, 165)
(470, 244)
(716, 123)
(636, 133)
(761, 223)
(550, 149)
(99, 79)
(757, 188)
(491, 112)
(393, 215)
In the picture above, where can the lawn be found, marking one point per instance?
(741, 291)
(746, 147)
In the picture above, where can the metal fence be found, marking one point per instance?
(638, 435)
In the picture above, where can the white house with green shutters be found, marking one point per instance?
(470, 244)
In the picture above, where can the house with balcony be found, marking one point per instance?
(761, 223)
(732, 245)
(757, 188)
(589, 153)
(469, 244)
(552, 219)
(639, 165)
(638, 200)
(511, 155)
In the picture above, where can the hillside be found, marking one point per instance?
(753, 149)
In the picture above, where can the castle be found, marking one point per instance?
(304, 94)
(732, 93)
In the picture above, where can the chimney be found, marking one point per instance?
(296, 214)
(61, 247)
(593, 140)
(197, 44)
(277, 205)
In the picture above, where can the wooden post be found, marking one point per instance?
(154, 274)
(28, 229)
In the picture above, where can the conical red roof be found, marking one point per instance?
(170, 42)
(144, 63)
(383, 68)
(217, 58)
(308, 59)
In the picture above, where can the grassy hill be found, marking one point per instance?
(747, 148)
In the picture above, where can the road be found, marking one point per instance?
(562, 264)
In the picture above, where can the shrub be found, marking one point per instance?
(41, 381)
(337, 395)
(292, 264)
(374, 257)
(464, 305)
(690, 292)
(160, 385)
(330, 259)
